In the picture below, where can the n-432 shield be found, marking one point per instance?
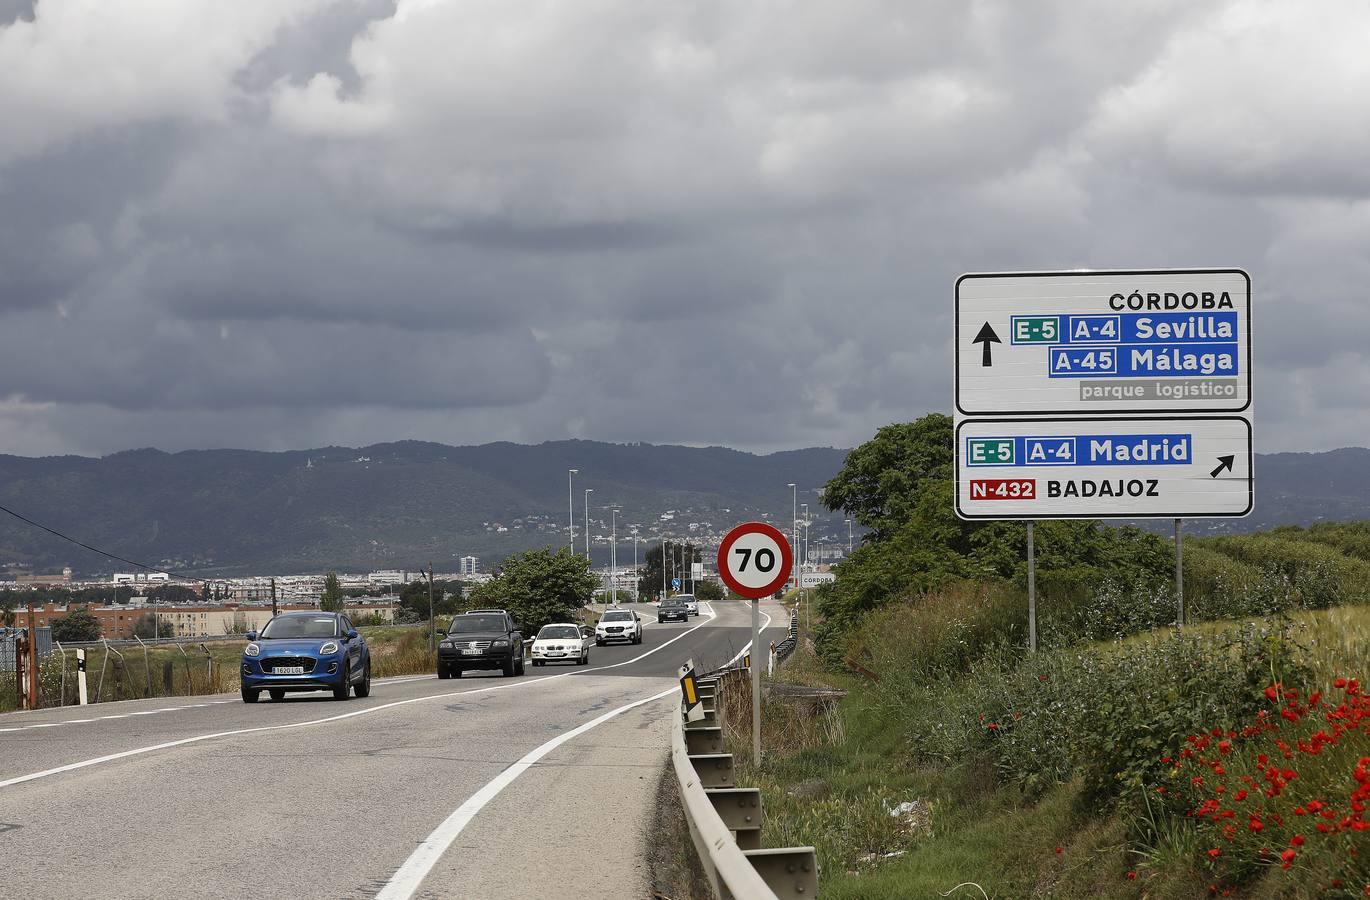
(1174, 467)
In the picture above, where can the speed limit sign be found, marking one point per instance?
(754, 560)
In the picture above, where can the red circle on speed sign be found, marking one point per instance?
(755, 560)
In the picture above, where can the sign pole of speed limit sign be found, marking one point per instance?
(755, 561)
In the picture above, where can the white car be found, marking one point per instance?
(691, 604)
(562, 643)
(618, 625)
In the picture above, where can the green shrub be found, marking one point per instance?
(1297, 573)
(1105, 715)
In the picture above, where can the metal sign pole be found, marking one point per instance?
(756, 682)
(1032, 587)
(1179, 574)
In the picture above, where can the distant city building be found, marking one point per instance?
(140, 577)
(470, 565)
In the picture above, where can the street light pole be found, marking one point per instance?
(571, 505)
(794, 530)
(663, 567)
(588, 492)
(806, 534)
(430, 607)
(613, 555)
(849, 537)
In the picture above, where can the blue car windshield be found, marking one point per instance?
(286, 627)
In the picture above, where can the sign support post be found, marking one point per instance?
(755, 561)
(756, 682)
(1179, 575)
(1032, 588)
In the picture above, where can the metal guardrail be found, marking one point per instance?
(786, 647)
(725, 820)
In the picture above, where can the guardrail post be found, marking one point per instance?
(791, 872)
(713, 769)
(168, 677)
(740, 810)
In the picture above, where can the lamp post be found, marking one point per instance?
(663, 567)
(794, 530)
(849, 537)
(613, 555)
(571, 505)
(806, 534)
(588, 492)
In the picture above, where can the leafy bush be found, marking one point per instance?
(1287, 788)
(1104, 715)
(1301, 574)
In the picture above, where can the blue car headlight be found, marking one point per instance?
(329, 648)
(251, 650)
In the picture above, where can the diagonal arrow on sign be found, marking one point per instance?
(1224, 463)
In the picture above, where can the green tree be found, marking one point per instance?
(77, 625)
(881, 480)
(332, 599)
(709, 591)
(169, 594)
(149, 626)
(7, 606)
(447, 599)
(538, 587)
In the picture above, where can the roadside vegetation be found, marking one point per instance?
(1127, 758)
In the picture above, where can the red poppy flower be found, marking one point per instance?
(1131, 876)
(1214, 853)
(1296, 841)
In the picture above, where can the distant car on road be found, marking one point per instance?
(562, 643)
(691, 604)
(483, 639)
(673, 609)
(618, 625)
(306, 651)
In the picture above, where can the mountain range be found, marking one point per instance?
(401, 505)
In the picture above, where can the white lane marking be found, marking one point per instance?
(11, 729)
(743, 652)
(147, 712)
(195, 739)
(125, 716)
(77, 721)
(411, 874)
(44, 725)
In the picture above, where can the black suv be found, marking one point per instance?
(481, 639)
(672, 609)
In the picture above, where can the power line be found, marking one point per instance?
(39, 525)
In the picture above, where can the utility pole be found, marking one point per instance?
(273, 601)
(430, 606)
(849, 537)
(806, 535)
(571, 505)
(663, 567)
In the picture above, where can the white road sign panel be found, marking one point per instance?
(1085, 468)
(1081, 343)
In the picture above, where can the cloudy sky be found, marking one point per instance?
(288, 223)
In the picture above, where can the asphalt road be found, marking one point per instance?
(486, 787)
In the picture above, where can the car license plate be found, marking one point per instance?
(288, 670)
(469, 652)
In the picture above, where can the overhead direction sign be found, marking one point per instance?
(1115, 342)
(1103, 394)
(755, 560)
(1086, 468)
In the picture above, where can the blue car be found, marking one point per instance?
(306, 651)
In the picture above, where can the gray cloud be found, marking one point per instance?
(311, 222)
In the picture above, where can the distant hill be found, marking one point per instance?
(385, 506)
(399, 505)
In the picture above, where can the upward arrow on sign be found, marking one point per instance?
(986, 337)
